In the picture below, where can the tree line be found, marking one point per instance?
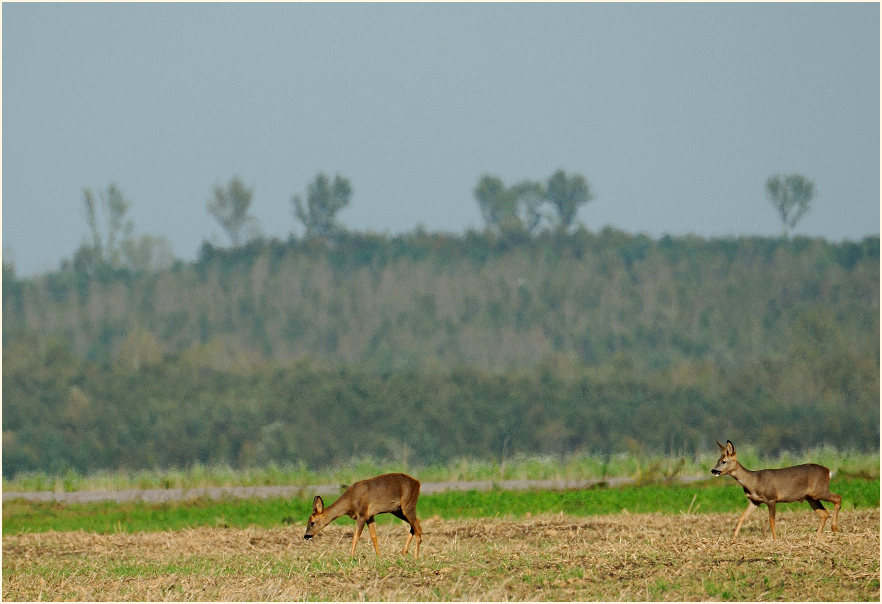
(526, 208)
(442, 346)
(484, 300)
(75, 414)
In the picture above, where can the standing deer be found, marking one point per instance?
(395, 494)
(809, 481)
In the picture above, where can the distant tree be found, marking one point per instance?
(113, 242)
(791, 196)
(106, 247)
(230, 206)
(529, 198)
(498, 205)
(521, 208)
(566, 194)
(324, 199)
(510, 210)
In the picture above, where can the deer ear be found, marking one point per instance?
(318, 505)
(730, 448)
(722, 447)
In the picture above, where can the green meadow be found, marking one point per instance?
(716, 495)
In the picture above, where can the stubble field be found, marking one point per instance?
(544, 557)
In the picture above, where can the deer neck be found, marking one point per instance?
(746, 478)
(341, 507)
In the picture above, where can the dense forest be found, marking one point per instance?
(429, 347)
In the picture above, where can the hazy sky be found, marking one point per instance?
(675, 113)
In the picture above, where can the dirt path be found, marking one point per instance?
(161, 495)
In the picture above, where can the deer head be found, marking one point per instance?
(317, 520)
(728, 460)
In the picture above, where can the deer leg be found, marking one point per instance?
(819, 508)
(415, 530)
(370, 523)
(837, 501)
(771, 505)
(419, 537)
(751, 506)
(400, 514)
(359, 525)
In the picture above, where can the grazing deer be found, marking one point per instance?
(809, 482)
(395, 494)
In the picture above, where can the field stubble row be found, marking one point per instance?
(545, 557)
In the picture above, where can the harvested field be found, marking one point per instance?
(547, 557)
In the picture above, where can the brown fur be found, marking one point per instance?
(394, 494)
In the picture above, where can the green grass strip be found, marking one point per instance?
(720, 495)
